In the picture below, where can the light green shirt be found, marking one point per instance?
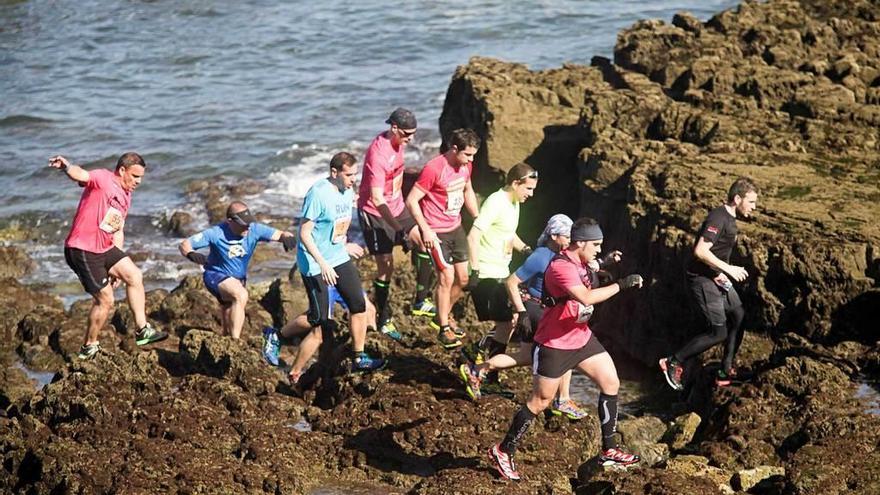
(498, 219)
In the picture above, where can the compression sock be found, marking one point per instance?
(518, 428)
(424, 275)
(608, 420)
(380, 291)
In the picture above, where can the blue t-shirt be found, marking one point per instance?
(330, 210)
(532, 271)
(230, 253)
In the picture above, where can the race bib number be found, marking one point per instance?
(113, 221)
(340, 230)
(396, 186)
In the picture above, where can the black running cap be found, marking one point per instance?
(402, 118)
(586, 232)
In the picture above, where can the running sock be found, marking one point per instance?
(380, 290)
(424, 274)
(518, 428)
(608, 420)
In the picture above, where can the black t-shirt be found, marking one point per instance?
(719, 228)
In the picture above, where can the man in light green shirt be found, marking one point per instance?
(491, 243)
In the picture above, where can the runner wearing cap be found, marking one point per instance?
(93, 248)
(435, 202)
(711, 277)
(231, 243)
(383, 217)
(491, 243)
(525, 287)
(565, 342)
(324, 259)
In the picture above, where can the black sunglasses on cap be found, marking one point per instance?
(531, 175)
(243, 218)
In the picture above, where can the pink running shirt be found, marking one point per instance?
(443, 186)
(383, 167)
(559, 328)
(102, 209)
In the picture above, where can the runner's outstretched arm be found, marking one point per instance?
(75, 172)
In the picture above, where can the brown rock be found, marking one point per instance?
(14, 262)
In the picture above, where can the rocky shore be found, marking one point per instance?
(785, 92)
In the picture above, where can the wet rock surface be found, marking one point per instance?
(784, 92)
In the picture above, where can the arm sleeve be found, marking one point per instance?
(312, 208)
(488, 213)
(530, 268)
(264, 232)
(427, 178)
(374, 171)
(712, 228)
(201, 239)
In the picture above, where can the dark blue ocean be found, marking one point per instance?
(245, 89)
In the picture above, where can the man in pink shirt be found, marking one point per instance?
(384, 219)
(564, 342)
(93, 248)
(443, 187)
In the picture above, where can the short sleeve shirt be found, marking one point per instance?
(564, 326)
(532, 271)
(383, 167)
(102, 210)
(497, 221)
(443, 186)
(330, 210)
(719, 228)
(230, 253)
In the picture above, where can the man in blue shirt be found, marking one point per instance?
(324, 258)
(231, 244)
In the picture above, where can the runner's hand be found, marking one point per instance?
(429, 238)
(289, 242)
(59, 162)
(523, 323)
(354, 250)
(628, 281)
(197, 258)
(328, 274)
(612, 257)
(738, 273)
(473, 281)
(115, 282)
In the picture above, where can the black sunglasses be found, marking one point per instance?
(407, 133)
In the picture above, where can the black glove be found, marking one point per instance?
(524, 323)
(289, 242)
(473, 281)
(630, 281)
(609, 258)
(197, 257)
(526, 250)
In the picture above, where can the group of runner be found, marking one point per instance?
(547, 302)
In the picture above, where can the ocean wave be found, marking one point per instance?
(24, 121)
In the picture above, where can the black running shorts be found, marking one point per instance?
(553, 363)
(491, 301)
(378, 235)
(454, 245)
(348, 285)
(93, 269)
(712, 301)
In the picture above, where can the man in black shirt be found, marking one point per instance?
(711, 278)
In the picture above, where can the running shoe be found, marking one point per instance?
(472, 379)
(447, 338)
(617, 456)
(148, 335)
(389, 330)
(88, 351)
(425, 307)
(496, 388)
(363, 363)
(472, 353)
(725, 378)
(503, 463)
(672, 371)
(568, 408)
(271, 345)
(458, 332)
(293, 380)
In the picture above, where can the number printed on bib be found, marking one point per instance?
(340, 230)
(584, 313)
(113, 221)
(455, 197)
